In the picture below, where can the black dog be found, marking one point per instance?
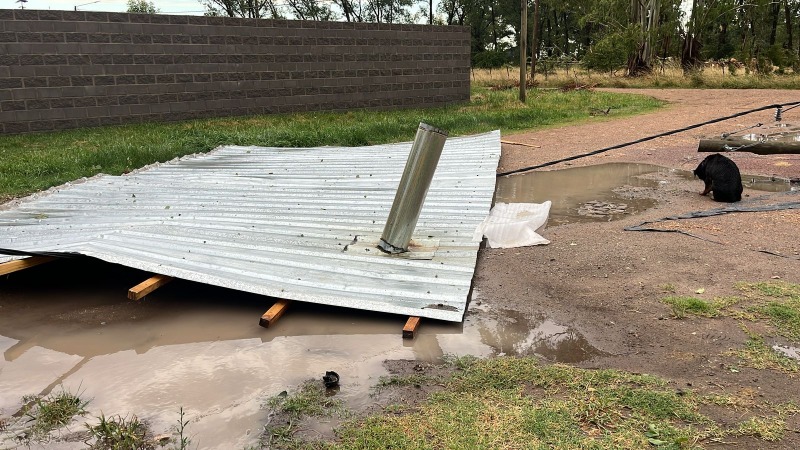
(721, 176)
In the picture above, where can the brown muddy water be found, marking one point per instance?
(200, 348)
(576, 191)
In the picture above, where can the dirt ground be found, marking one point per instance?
(607, 283)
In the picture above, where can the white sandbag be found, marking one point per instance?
(512, 225)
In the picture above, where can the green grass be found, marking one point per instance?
(767, 428)
(33, 162)
(309, 400)
(517, 403)
(511, 402)
(758, 355)
(53, 411)
(777, 302)
(683, 306)
(120, 433)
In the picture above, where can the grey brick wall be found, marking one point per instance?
(65, 69)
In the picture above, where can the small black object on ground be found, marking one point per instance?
(331, 379)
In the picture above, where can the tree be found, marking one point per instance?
(310, 10)
(142, 6)
(645, 16)
(251, 9)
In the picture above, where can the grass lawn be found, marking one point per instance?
(516, 403)
(33, 162)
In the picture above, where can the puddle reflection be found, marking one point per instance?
(200, 347)
(572, 190)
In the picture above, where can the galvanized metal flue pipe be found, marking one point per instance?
(414, 184)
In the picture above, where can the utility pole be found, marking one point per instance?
(523, 38)
(430, 21)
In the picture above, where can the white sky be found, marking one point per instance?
(187, 7)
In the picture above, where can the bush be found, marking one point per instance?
(489, 60)
(610, 53)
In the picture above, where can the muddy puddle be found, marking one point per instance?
(199, 347)
(603, 192)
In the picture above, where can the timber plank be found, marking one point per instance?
(22, 264)
(147, 286)
(274, 313)
(411, 327)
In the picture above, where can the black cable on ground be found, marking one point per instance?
(645, 139)
(715, 212)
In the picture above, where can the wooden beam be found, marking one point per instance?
(147, 286)
(741, 145)
(519, 143)
(22, 264)
(411, 327)
(274, 313)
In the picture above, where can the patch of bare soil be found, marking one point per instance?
(608, 283)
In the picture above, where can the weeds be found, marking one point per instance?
(777, 302)
(310, 400)
(682, 306)
(666, 76)
(120, 433)
(54, 411)
(758, 355)
(767, 428)
(668, 287)
(181, 440)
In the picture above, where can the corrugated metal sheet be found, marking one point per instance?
(275, 221)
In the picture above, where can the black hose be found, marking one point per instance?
(645, 139)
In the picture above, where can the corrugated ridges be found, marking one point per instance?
(275, 221)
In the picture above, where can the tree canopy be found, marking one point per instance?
(632, 35)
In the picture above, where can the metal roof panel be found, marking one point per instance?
(276, 221)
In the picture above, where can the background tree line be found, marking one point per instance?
(637, 36)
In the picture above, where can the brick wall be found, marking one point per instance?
(65, 69)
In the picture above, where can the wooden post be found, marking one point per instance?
(523, 60)
(22, 264)
(411, 327)
(147, 286)
(274, 313)
(759, 148)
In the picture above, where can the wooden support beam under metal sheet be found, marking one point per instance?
(147, 286)
(22, 264)
(274, 313)
(411, 327)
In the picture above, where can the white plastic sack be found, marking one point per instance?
(512, 225)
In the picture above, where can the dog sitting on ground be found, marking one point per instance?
(721, 176)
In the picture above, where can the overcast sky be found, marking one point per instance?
(188, 7)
